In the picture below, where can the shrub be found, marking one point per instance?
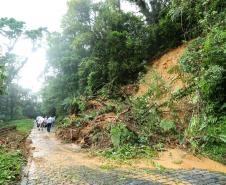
(10, 166)
(74, 105)
(145, 115)
(126, 152)
(205, 62)
(167, 125)
(120, 134)
(106, 109)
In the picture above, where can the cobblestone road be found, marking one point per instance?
(54, 163)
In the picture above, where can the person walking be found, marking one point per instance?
(49, 123)
(40, 123)
(45, 121)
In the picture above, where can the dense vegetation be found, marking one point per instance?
(102, 48)
(205, 60)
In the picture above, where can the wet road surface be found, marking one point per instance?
(55, 163)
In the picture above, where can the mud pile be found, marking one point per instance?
(91, 133)
(14, 140)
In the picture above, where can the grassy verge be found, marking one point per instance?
(11, 159)
(24, 125)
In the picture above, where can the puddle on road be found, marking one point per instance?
(179, 159)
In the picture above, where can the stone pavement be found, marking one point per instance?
(54, 163)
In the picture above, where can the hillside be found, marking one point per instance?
(162, 66)
(93, 133)
(103, 111)
(100, 98)
(137, 84)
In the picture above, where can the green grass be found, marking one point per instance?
(23, 125)
(10, 166)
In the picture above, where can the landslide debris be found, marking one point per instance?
(91, 127)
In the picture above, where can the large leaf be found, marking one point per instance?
(167, 125)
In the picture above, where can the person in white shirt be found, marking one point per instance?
(40, 122)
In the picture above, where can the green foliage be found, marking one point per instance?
(65, 122)
(35, 34)
(120, 106)
(11, 31)
(157, 87)
(106, 109)
(167, 125)
(191, 60)
(120, 134)
(205, 63)
(84, 119)
(143, 140)
(145, 115)
(24, 125)
(151, 9)
(211, 79)
(102, 48)
(74, 105)
(209, 140)
(18, 103)
(10, 166)
(77, 120)
(11, 28)
(126, 152)
(196, 17)
(159, 35)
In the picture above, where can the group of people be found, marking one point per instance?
(43, 122)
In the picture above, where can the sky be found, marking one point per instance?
(36, 13)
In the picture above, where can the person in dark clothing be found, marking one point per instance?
(49, 123)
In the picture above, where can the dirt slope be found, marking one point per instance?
(165, 76)
(161, 66)
(173, 158)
